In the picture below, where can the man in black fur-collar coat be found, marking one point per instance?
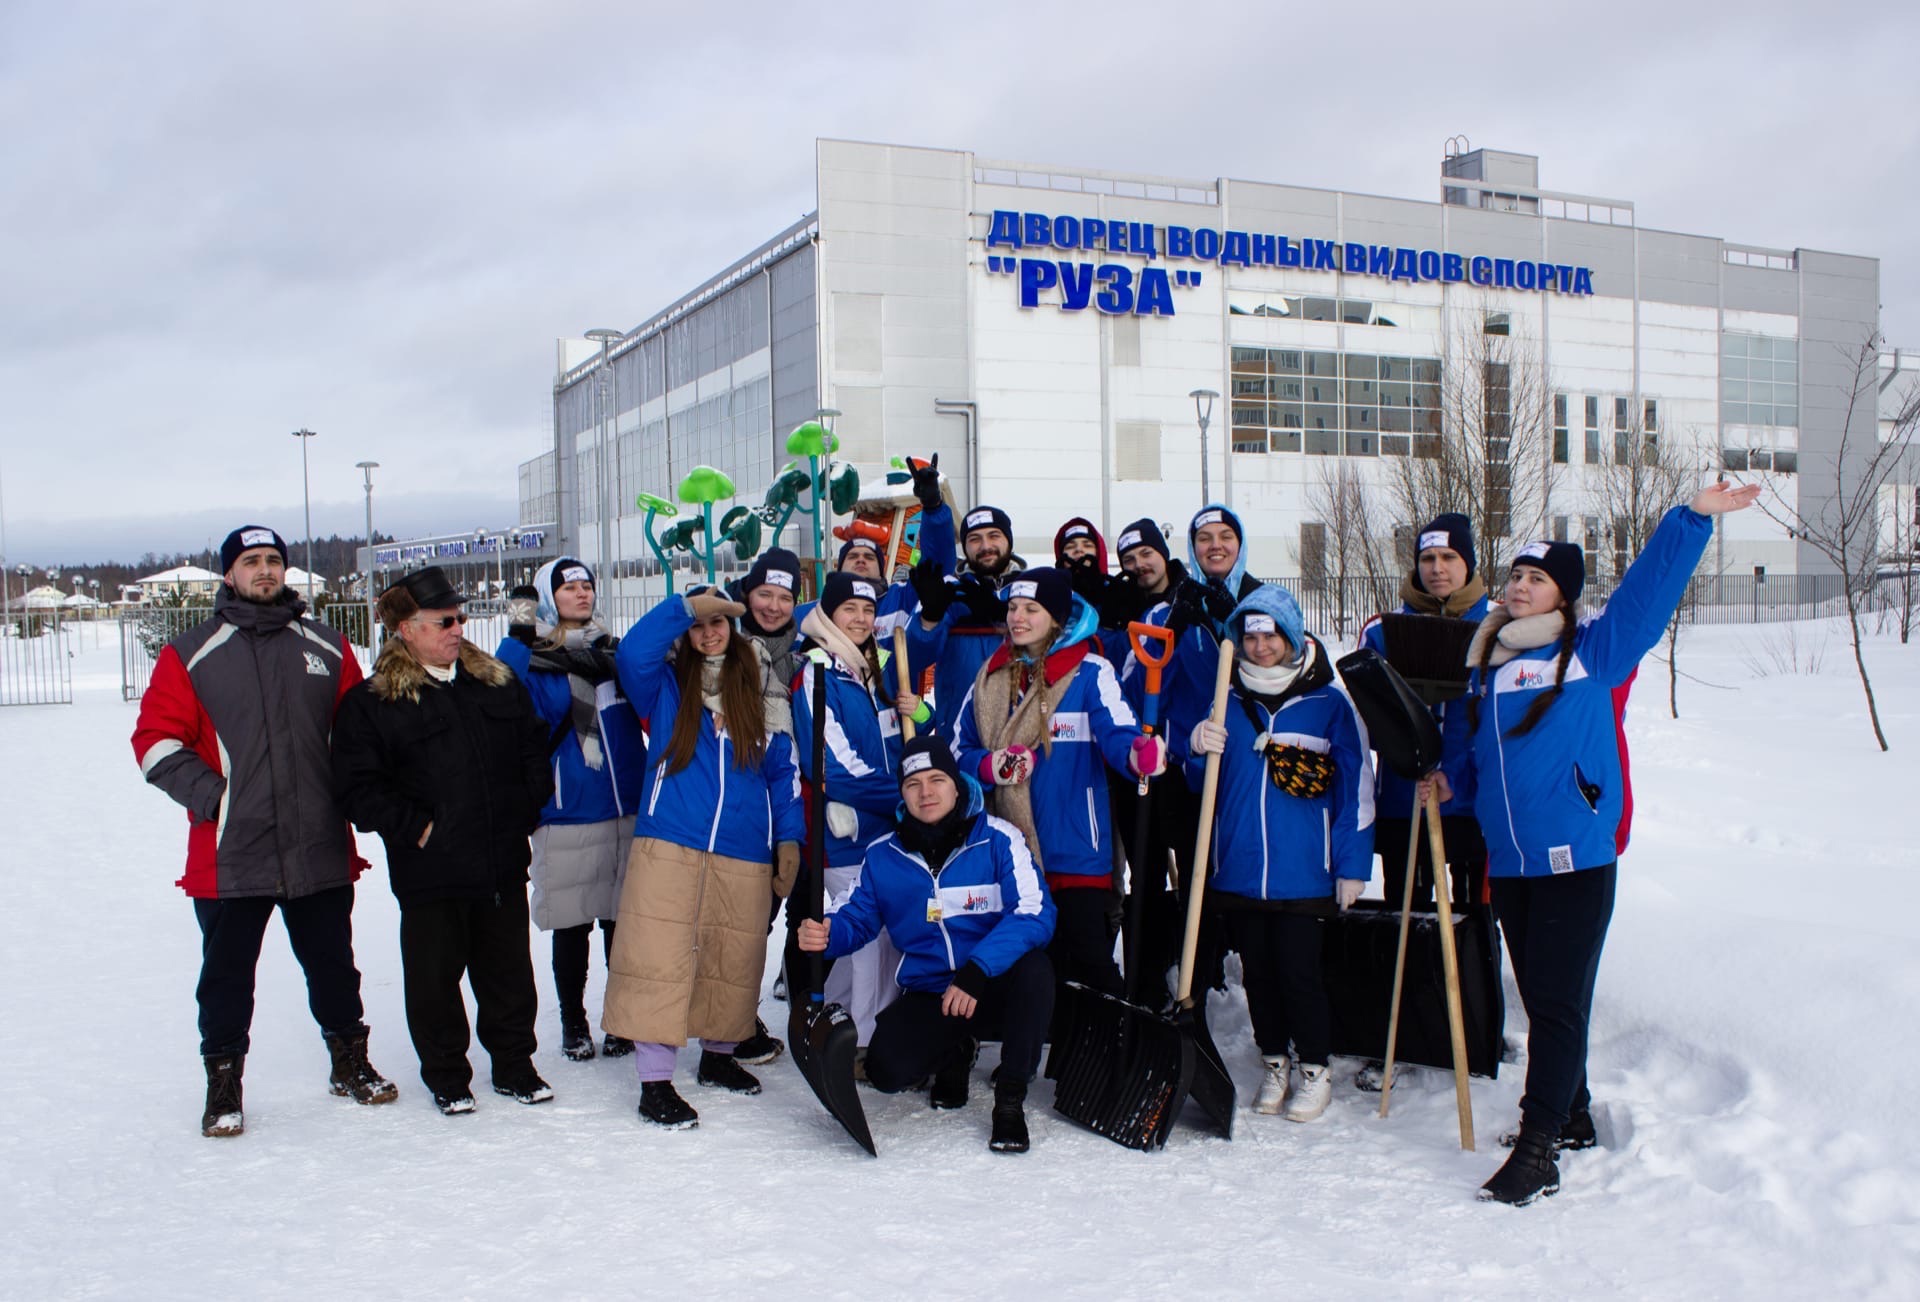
(441, 754)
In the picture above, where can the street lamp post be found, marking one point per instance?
(1203, 409)
(606, 339)
(366, 469)
(306, 496)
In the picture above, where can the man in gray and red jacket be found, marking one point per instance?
(235, 726)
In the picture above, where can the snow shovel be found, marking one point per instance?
(1123, 1071)
(822, 1035)
(1407, 740)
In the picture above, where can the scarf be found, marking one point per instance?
(1515, 635)
(441, 673)
(1272, 685)
(710, 667)
(936, 842)
(1028, 722)
(1421, 602)
(585, 656)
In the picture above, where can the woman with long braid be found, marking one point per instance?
(1549, 799)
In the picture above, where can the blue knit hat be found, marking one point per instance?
(1268, 609)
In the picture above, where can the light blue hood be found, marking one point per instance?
(1232, 581)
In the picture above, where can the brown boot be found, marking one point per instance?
(222, 1117)
(353, 1076)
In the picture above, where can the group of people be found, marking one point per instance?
(654, 782)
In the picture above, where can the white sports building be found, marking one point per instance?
(1043, 327)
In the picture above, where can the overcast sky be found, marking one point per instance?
(223, 221)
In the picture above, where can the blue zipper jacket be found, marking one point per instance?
(1269, 844)
(1549, 801)
(1093, 729)
(1394, 795)
(1187, 681)
(863, 749)
(987, 905)
(712, 804)
(581, 793)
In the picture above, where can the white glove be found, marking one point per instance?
(1209, 738)
(1346, 890)
(842, 821)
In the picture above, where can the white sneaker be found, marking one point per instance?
(1273, 1089)
(1315, 1092)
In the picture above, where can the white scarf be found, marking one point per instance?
(1515, 635)
(827, 635)
(439, 674)
(1272, 681)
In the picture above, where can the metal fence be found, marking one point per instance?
(36, 660)
(144, 634)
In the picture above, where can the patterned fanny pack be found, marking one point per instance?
(1299, 771)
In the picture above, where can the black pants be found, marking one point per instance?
(1466, 860)
(1082, 944)
(912, 1038)
(485, 940)
(1555, 927)
(570, 945)
(320, 929)
(1280, 966)
(1162, 918)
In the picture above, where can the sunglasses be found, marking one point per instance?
(444, 622)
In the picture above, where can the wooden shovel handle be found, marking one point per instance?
(1210, 787)
(906, 678)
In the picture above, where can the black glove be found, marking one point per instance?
(935, 593)
(981, 599)
(1124, 602)
(926, 483)
(1089, 580)
(522, 602)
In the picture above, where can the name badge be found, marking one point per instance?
(934, 911)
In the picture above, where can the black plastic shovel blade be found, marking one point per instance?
(1399, 724)
(1204, 1074)
(1125, 1072)
(824, 1041)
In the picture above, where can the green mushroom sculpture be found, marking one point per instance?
(796, 489)
(703, 487)
(655, 508)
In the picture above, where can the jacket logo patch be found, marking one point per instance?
(1071, 726)
(315, 665)
(1528, 678)
(953, 901)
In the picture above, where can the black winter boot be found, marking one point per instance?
(1009, 1117)
(524, 1086)
(1576, 1135)
(1530, 1171)
(760, 1047)
(721, 1070)
(616, 1046)
(661, 1104)
(950, 1082)
(353, 1076)
(576, 1038)
(222, 1117)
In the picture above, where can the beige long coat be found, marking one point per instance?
(691, 945)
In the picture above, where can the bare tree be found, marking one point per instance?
(1490, 459)
(1347, 548)
(1844, 527)
(1652, 472)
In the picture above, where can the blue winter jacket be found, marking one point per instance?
(712, 804)
(1549, 801)
(863, 749)
(582, 794)
(1394, 795)
(1187, 682)
(1268, 844)
(1093, 729)
(986, 905)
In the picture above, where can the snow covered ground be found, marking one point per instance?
(1754, 1058)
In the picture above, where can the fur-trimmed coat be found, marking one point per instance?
(467, 758)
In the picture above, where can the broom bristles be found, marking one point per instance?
(1429, 647)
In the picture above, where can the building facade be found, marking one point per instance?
(1044, 329)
